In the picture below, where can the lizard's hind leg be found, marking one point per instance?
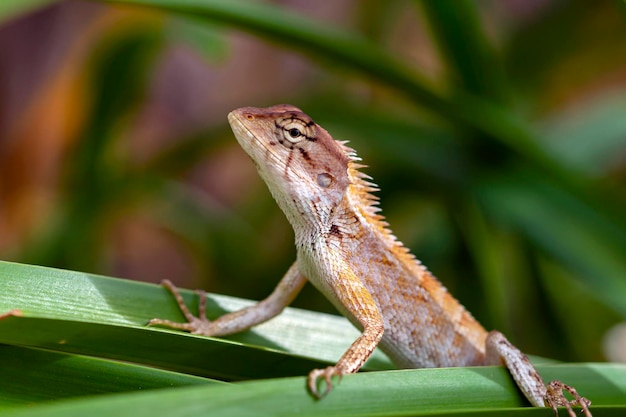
(500, 350)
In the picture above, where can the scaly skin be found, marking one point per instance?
(346, 251)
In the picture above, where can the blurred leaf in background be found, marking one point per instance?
(493, 128)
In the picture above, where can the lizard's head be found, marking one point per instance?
(303, 166)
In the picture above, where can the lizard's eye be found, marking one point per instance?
(294, 130)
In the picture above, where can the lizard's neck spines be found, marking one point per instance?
(360, 195)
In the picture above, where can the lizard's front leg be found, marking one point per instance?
(355, 297)
(284, 293)
(499, 350)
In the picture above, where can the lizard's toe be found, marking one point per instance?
(171, 324)
(556, 398)
(326, 375)
(195, 324)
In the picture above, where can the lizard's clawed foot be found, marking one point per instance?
(195, 324)
(555, 398)
(326, 375)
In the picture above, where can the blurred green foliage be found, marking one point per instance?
(478, 166)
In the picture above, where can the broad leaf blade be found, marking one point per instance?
(31, 375)
(94, 315)
(451, 391)
(195, 355)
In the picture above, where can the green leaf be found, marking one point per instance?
(98, 316)
(451, 391)
(32, 375)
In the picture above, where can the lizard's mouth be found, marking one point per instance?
(248, 140)
(265, 157)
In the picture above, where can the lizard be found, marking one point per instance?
(346, 249)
